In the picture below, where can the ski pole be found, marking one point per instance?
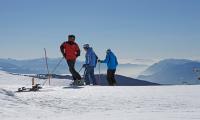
(84, 72)
(99, 71)
(54, 69)
(81, 69)
(57, 65)
(46, 60)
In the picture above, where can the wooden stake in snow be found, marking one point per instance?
(33, 81)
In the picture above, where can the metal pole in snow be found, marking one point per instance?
(46, 60)
(99, 73)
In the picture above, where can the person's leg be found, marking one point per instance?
(87, 77)
(109, 77)
(113, 77)
(71, 67)
(92, 76)
(75, 75)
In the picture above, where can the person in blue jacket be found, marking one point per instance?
(90, 63)
(112, 64)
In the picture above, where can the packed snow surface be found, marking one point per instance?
(59, 102)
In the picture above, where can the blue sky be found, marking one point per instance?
(134, 29)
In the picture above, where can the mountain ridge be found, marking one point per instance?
(172, 71)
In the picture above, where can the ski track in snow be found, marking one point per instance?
(97, 102)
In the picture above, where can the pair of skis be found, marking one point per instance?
(34, 88)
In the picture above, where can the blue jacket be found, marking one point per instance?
(90, 58)
(111, 61)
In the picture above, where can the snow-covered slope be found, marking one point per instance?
(98, 102)
(8, 79)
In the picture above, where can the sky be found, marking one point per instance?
(133, 29)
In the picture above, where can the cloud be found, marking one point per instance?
(138, 61)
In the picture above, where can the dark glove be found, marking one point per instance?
(99, 61)
(85, 65)
(78, 53)
(63, 55)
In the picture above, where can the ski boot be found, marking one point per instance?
(77, 83)
(36, 87)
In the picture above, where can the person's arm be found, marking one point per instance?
(106, 60)
(116, 60)
(78, 52)
(87, 60)
(89, 57)
(62, 49)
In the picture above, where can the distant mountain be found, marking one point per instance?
(164, 64)
(37, 66)
(172, 71)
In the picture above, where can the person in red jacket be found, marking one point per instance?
(71, 51)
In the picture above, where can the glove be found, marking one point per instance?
(99, 61)
(85, 65)
(78, 53)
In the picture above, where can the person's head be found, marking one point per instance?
(71, 38)
(108, 51)
(86, 47)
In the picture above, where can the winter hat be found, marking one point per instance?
(108, 50)
(86, 46)
(71, 36)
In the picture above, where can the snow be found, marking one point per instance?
(59, 102)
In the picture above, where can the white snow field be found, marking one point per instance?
(97, 102)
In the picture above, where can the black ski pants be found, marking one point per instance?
(75, 74)
(111, 77)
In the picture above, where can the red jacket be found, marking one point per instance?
(70, 50)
